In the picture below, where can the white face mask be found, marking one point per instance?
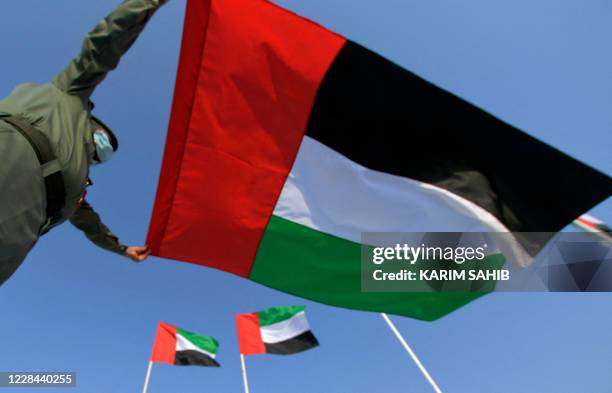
(104, 148)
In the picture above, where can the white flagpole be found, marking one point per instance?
(244, 374)
(412, 354)
(146, 384)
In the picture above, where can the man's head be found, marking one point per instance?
(105, 141)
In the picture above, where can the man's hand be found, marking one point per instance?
(137, 254)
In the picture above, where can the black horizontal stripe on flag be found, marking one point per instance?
(193, 358)
(388, 119)
(296, 344)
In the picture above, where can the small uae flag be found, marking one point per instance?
(591, 224)
(182, 348)
(277, 330)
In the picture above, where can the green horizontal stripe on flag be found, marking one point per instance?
(278, 314)
(205, 343)
(324, 268)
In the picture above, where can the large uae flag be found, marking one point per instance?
(182, 348)
(288, 141)
(276, 330)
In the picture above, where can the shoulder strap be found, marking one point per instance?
(51, 169)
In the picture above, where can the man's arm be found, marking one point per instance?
(88, 221)
(104, 46)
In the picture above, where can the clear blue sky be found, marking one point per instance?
(543, 66)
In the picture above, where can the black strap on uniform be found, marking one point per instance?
(52, 173)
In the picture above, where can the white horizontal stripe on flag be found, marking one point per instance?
(286, 329)
(182, 344)
(328, 192)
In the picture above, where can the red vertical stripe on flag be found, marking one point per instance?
(249, 334)
(194, 34)
(164, 348)
(587, 223)
(258, 76)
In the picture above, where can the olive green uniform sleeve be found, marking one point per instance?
(104, 46)
(88, 221)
